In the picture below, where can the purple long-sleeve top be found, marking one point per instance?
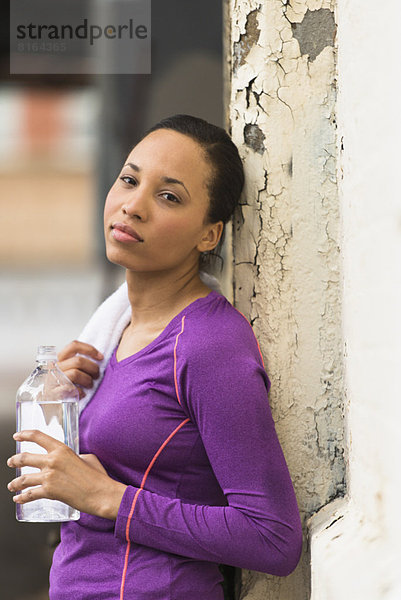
(185, 423)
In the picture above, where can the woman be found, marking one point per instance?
(181, 467)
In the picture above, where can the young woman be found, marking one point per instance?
(181, 468)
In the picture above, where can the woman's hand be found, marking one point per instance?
(81, 370)
(81, 482)
(93, 461)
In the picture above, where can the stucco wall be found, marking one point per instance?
(286, 241)
(356, 548)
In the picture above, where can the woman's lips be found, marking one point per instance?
(123, 233)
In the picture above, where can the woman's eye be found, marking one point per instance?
(170, 197)
(128, 179)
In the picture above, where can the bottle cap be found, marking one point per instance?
(46, 353)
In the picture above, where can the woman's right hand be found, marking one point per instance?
(75, 361)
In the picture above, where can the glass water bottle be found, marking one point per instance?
(48, 401)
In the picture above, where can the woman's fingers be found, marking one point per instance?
(76, 347)
(77, 361)
(25, 481)
(80, 482)
(26, 459)
(82, 394)
(82, 363)
(78, 376)
(80, 370)
(49, 465)
(31, 494)
(47, 442)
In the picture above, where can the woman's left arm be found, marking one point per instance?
(226, 395)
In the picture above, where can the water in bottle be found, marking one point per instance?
(48, 401)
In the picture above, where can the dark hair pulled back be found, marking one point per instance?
(227, 180)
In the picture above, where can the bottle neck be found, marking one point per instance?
(46, 357)
(46, 363)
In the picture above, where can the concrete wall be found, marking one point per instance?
(286, 242)
(356, 550)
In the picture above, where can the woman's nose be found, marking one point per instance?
(136, 205)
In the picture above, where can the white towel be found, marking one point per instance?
(105, 327)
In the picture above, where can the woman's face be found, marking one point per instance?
(161, 197)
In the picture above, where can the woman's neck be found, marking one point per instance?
(156, 298)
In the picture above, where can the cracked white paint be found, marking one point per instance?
(286, 251)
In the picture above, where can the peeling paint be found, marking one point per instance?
(254, 138)
(246, 41)
(315, 32)
(286, 242)
(334, 521)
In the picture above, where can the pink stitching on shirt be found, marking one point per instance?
(175, 360)
(128, 545)
(152, 462)
(253, 335)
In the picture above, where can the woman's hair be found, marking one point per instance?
(227, 180)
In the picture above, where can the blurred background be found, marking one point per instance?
(62, 143)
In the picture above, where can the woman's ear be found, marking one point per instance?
(211, 236)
